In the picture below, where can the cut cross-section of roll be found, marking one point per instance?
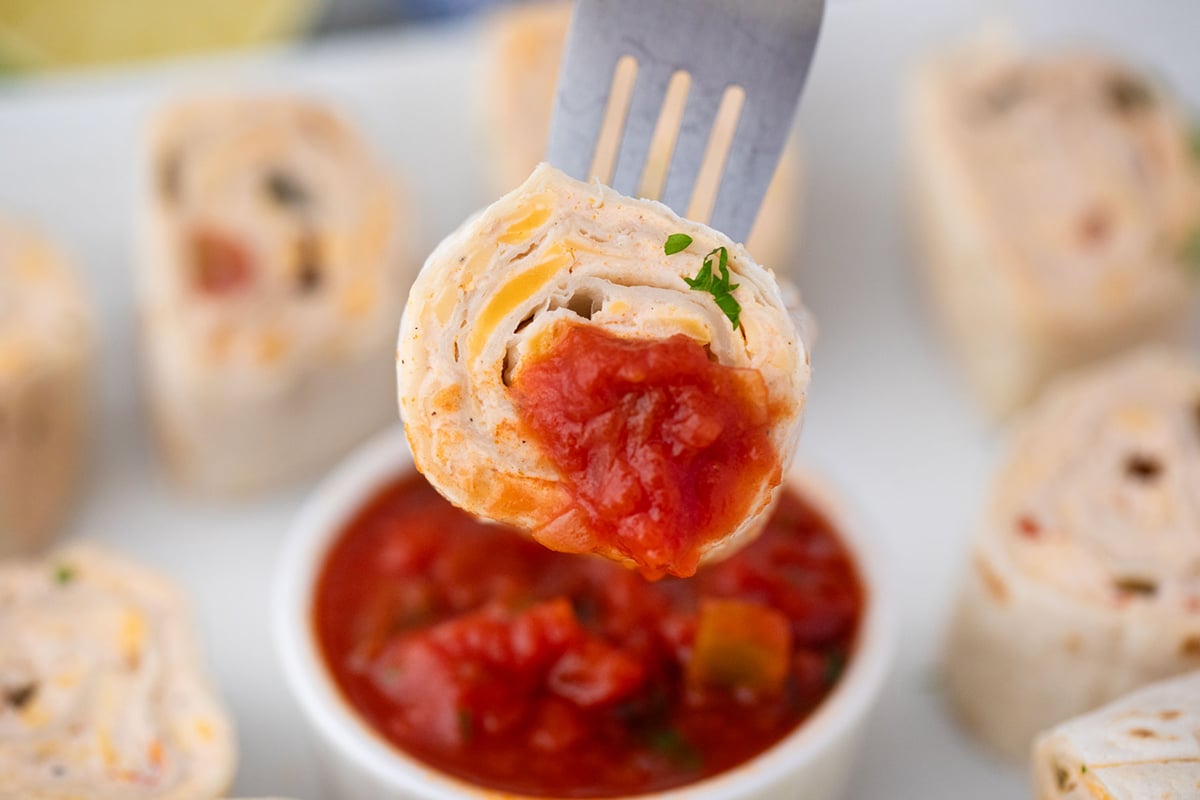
(1059, 203)
(272, 278)
(559, 371)
(45, 354)
(1085, 577)
(1141, 747)
(525, 47)
(102, 691)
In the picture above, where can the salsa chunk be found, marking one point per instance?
(661, 448)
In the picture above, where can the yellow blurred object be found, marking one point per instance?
(47, 34)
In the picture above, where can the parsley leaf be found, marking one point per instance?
(285, 189)
(676, 242)
(835, 665)
(678, 750)
(64, 574)
(718, 285)
(1191, 252)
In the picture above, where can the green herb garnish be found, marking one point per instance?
(285, 189)
(835, 665)
(64, 574)
(1191, 252)
(1195, 137)
(1083, 769)
(718, 285)
(670, 743)
(677, 242)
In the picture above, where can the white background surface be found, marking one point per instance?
(887, 418)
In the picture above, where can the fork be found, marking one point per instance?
(755, 51)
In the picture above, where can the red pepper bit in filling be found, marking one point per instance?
(221, 265)
(661, 448)
(1028, 527)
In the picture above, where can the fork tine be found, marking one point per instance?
(584, 85)
(698, 118)
(649, 92)
(749, 167)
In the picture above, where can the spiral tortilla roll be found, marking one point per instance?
(553, 258)
(272, 281)
(102, 692)
(45, 354)
(1141, 746)
(1085, 577)
(524, 49)
(1059, 205)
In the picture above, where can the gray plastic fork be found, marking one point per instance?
(763, 46)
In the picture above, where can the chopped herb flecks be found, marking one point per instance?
(1061, 776)
(670, 743)
(718, 285)
(285, 189)
(64, 574)
(677, 242)
(835, 665)
(1191, 252)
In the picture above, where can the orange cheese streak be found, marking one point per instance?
(661, 448)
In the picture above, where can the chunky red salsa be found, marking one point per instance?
(528, 671)
(662, 448)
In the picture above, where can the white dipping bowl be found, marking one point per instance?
(811, 763)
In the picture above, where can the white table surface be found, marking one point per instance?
(887, 419)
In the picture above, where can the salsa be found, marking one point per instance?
(661, 448)
(513, 667)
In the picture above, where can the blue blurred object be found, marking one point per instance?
(436, 9)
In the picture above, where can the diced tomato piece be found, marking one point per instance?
(557, 728)
(594, 673)
(421, 680)
(487, 664)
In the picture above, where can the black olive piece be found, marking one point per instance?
(20, 696)
(308, 272)
(1144, 468)
(1128, 94)
(285, 189)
